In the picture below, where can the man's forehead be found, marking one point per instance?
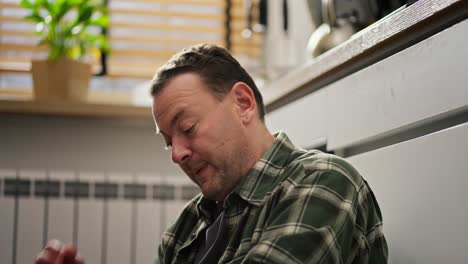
(167, 117)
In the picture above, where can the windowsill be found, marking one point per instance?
(108, 97)
(100, 104)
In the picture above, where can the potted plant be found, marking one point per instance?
(70, 29)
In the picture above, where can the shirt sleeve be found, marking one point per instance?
(318, 220)
(159, 258)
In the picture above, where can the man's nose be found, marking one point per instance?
(180, 151)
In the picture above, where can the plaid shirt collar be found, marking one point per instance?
(262, 178)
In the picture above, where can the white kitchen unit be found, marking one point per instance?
(421, 187)
(421, 84)
(402, 121)
(310, 113)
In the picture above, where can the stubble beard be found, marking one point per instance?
(231, 174)
(227, 182)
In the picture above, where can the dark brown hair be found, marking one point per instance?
(215, 66)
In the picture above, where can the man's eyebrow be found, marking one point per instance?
(176, 117)
(173, 122)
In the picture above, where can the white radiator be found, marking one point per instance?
(111, 217)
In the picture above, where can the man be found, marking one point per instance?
(262, 199)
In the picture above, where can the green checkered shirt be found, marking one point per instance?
(294, 206)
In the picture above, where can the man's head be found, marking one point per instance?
(214, 65)
(210, 117)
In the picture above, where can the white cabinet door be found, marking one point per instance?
(417, 85)
(421, 186)
(305, 120)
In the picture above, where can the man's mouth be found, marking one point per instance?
(198, 170)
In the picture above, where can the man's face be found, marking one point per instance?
(205, 135)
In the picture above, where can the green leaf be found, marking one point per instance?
(82, 50)
(62, 8)
(43, 41)
(55, 52)
(85, 14)
(105, 46)
(34, 17)
(48, 6)
(101, 21)
(27, 4)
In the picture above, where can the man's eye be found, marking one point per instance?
(189, 130)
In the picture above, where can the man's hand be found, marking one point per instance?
(57, 253)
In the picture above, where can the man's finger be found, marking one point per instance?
(45, 258)
(68, 254)
(79, 259)
(50, 253)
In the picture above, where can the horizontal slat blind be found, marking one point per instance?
(18, 44)
(144, 34)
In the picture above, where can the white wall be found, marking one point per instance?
(42, 142)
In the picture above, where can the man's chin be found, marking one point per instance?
(207, 194)
(210, 194)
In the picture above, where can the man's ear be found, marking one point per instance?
(244, 100)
